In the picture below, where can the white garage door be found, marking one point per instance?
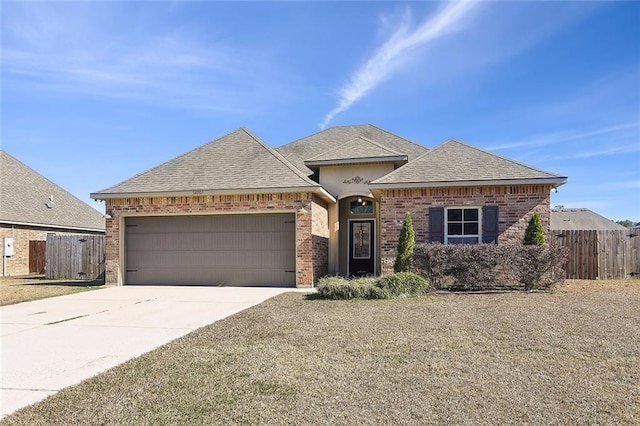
(235, 250)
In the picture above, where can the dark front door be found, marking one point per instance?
(361, 248)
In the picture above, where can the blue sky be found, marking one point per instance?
(93, 93)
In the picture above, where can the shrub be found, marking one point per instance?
(403, 284)
(490, 266)
(538, 267)
(534, 234)
(400, 284)
(341, 288)
(406, 243)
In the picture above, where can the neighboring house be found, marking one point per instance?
(31, 206)
(599, 248)
(581, 219)
(237, 212)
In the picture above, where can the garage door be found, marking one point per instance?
(236, 250)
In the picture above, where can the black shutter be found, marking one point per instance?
(490, 224)
(436, 224)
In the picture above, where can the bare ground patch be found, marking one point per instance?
(567, 357)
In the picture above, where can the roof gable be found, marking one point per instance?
(27, 197)
(357, 150)
(332, 138)
(454, 162)
(238, 161)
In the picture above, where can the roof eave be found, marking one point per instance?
(554, 182)
(403, 159)
(276, 190)
(48, 225)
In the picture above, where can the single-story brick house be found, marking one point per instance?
(31, 206)
(237, 212)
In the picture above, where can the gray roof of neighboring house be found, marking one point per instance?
(25, 194)
(237, 162)
(312, 146)
(357, 150)
(581, 219)
(455, 163)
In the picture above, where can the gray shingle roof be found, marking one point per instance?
(358, 149)
(311, 146)
(454, 162)
(24, 195)
(238, 161)
(581, 219)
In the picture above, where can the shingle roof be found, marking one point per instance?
(581, 219)
(454, 162)
(359, 149)
(237, 161)
(311, 146)
(24, 195)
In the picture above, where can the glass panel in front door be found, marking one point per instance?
(361, 240)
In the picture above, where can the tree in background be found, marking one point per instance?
(534, 235)
(626, 223)
(406, 242)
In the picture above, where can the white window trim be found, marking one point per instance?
(446, 223)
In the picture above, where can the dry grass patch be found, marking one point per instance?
(23, 289)
(567, 357)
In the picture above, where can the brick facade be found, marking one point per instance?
(18, 264)
(516, 205)
(311, 224)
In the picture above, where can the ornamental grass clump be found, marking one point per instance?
(403, 284)
(339, 288)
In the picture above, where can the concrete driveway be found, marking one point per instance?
(50, 344)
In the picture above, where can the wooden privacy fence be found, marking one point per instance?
(604, 255)
(75, 257)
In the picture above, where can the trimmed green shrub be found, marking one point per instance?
(403, 284)
(490, 266)
(406, 243)
(534, 234)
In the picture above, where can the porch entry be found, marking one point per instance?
(361, 260)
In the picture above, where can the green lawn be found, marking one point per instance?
(567, 357)
(26, 288)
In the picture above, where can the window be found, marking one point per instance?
(361, 206)
(463, 225)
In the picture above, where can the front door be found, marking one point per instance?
(361, 248)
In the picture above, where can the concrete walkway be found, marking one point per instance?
(50, 344)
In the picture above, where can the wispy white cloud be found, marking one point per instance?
(546, 139)
(76, 52)
(609, 150)
(621, 184)
(396, 51)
